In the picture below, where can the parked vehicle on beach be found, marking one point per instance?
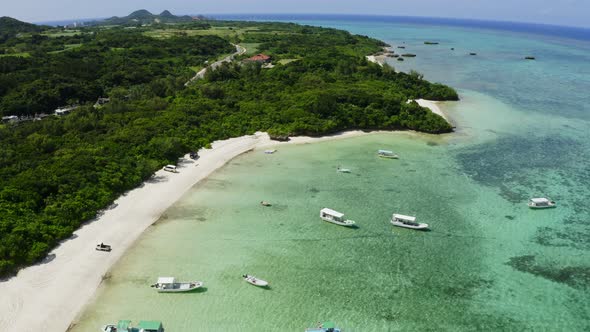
(103, 247)
(170, 168)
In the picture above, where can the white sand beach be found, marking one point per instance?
(48, 296)
(433, 106)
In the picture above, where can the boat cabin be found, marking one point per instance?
(170, 168)
(407, 220)
(150, 326)
(166, 282)
(331, 215)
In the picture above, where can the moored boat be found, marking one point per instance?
(265, 203)
(255, 281)
(401, 220)
(541, 203)
(342, 170)
(335, 217)
(142, 326)
(387, 154)
(169, 285)
(270, 151)
(324, 327)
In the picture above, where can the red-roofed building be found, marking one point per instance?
(262, 58)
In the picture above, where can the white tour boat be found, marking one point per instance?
(541, 203)
(255, 281)
(342, 170)
(270, 151)
(387, 154)
(142, 326)
(407, 221)
(324, 327)
(335, 217)
(169, 285)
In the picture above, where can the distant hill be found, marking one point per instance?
(10, 26)
(143, 16)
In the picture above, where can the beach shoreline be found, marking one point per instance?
(50, 295)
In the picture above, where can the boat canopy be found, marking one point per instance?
(402, 217)
(149, 325)
(385, 152)
(332, 213)
(539, 200)
(166, 280)
(123, 325)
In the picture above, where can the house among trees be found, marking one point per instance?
(261, 58)
(10, 119)
(64, 110)
(101, 101)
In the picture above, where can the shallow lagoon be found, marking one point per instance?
(489, 262)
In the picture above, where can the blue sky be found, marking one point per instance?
(560, 12)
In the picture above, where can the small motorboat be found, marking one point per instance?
(387, 154)
(324, 327)
(270, 151)
(342, 170)
(265, 203)
(541, 203)
(126, 326)
(255, 281)
(103, 247)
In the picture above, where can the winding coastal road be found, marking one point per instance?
(201, 74)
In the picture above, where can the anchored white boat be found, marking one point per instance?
(103, 247)
(270, 151)
(169, 285)
(343, 170)
(265, 203)
(324, 327)
(541, 203)
(407, 222)
(255, 281)
(170, 168)
(387, 154)
(335, 217)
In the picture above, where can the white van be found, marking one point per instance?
(170, 168)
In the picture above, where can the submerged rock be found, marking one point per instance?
(472, 53)
(430, 43)
(529, 58)
(409, 55)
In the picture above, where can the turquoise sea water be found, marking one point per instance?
(489, 263)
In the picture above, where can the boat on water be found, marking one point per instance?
(342, 170)
(255, 281)
(324, 327)
(541, 203)
(142, 326)
(387, 154)
(270, 151)
(335, 217)
(169, 285)
(401, 220)
(170, 168)
(103, 247)
(265, 203)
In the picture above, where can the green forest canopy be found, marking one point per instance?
(59, 172)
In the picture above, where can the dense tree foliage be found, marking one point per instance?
(59, 172)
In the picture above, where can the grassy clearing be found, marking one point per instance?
(251, 48)
(21, 54)
(66, 33)
(67, 47)
(286, 61)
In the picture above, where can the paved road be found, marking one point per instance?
(201, 74)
